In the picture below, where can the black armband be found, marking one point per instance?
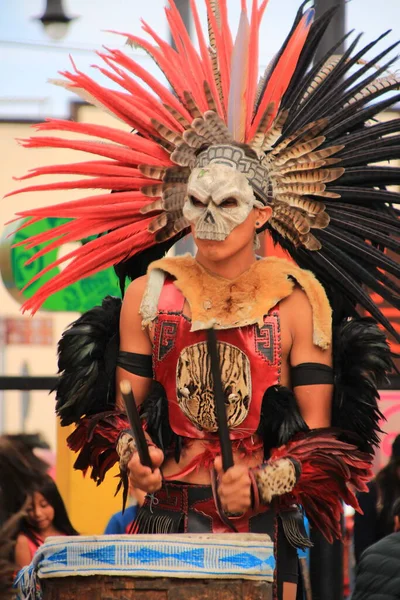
(311, 374)
(137, 364)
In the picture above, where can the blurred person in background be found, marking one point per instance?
(378, 572)
(121, 522)
(376, 520)
(20, 472)
(46, 516)
(38, 446)
(7, 564)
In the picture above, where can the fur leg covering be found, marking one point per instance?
(276, 477)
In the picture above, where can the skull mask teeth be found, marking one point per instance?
(219, 199)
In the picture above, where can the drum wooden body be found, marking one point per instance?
(101, 587)
(151, 567)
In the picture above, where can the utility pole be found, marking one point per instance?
(336, 29)
(186, 244)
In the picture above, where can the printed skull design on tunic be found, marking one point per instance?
(194, 385)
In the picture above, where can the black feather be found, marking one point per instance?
(276, 58)
(298, 93)
(315, 35)
(358, 118)
(280, 418)
(364, 195)
(137, 265)
(87, 355)
(362, 361)
(368, 133)
(154, 411)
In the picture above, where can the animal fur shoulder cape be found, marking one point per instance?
(222, 303)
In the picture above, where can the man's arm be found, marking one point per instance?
(314, 401)
(133, 338)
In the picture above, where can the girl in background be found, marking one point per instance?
(45, 516)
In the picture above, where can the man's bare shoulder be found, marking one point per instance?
(296, 301)
(135, 291)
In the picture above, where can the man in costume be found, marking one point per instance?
(225, 156)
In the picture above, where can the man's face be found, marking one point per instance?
(219, 199)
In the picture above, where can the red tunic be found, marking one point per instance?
(250, 363)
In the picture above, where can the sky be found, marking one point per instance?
(28, 58)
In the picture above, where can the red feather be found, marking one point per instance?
(252, 69)
(95, 439)
(207, 66)
(163, 92)
(224, 56)
(330, 470)
(93, 167)
(119, 153)
(284, 70)
(189, 56)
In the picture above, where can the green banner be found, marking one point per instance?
(78, 297)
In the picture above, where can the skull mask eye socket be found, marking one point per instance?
(196, 202)
(229, 203)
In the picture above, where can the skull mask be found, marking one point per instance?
(219, 199)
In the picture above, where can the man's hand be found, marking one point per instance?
(234, 488)
(144, 478)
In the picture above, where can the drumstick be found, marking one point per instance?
(135, 423)
(223, 431)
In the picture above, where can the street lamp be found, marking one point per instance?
(54, 20)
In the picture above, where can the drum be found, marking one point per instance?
(151, 567)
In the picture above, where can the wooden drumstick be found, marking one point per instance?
(135, 423)
(223, 430)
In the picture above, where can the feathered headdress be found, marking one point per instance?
(307, 130)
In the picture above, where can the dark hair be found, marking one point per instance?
(396, 447)
(396, 508)
(61, 521)
(30, 440)
(20, 472)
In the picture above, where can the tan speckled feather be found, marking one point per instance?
(211, 128)
(259, 137)
(191, 105)
(295, 165)
(306, 133)
(378, 84)
(327, 68)
(310, 242)
(177, 116)
(209, 96)
(177, 175)
(221, 131)
(152, 207)
(312, 207)
(168, 134)
(180, 224)
(321, 154)
(275, 131)
(174, 198)
(184, 156)
(314, 176)
(158, 223)
(298, 150)
(193, 139)
(319, 221)
(153, 171)
(294, 216)
(302, 188)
